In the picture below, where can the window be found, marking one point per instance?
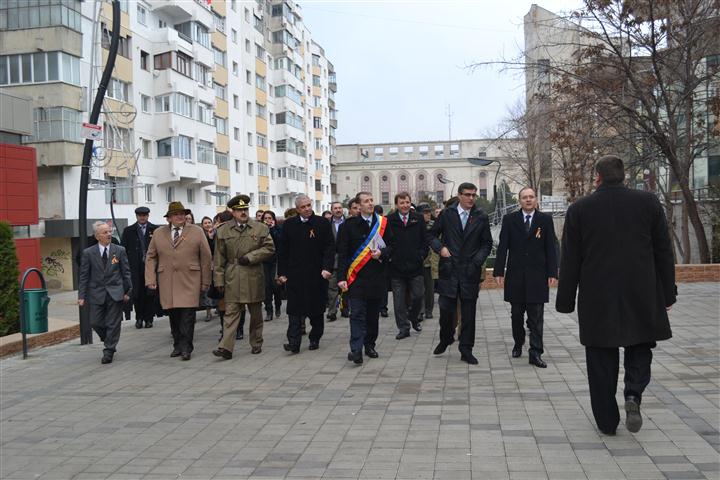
(220, 91)
(259, 25)
(183, 64)
(163, 61)
(318, 164)
(141, 14)
(247, 15)
(221, 125)
(123, 190)
(250, 139)
(233, 35)
(316, 60)
(260, 111)
(289, 118)
(39, 67)
(318, 186)
(205, 152)
(247, 46)
(248, 108)
(236, 102)
(439, 150)
(248, 77)
(316, 81)
(191, 195)
(237, 166)
(224, 193)
(259, 52)
(272, 173)
(219, 22)
(20, 15)
(144, 60)
(178, 147)
(116, 138)
(262, 142)
(316, 101)
(236, 133)
(149, 193)
(454, 150)
(233, 5)
(118, 90)
(145, 103)
(260, 82)
(385, 198)
(203, 74)
(290, 145)
(124, 44)
(290, 92)
(220, 57)
(262, 169)
(55, 124)
(205, 113)
(170, 194)
(221, 160)
(184, 147)
(235, 68)
(423, 150)
(251, 168)
(317, 124)
(146, 146)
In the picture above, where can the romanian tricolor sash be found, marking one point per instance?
(364, 252)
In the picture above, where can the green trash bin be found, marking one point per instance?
(35, 308)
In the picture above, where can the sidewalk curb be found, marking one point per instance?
(41, 340)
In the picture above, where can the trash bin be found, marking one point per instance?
(35, 309)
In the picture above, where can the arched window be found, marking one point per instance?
(366, 182)
(438, 186)
(403, 179)
(385, 182)
(421, 185)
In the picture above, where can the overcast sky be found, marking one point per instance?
(400, 63)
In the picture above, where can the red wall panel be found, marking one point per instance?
(18, 185)
(28, 252)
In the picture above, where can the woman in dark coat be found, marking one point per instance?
(270, 267)
(209, 229)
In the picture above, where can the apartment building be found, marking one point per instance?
(209, 98)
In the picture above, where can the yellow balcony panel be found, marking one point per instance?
(317, 112)
(316, 70)
(118, 110)
(219, 40)
(123, 67)
(262, 154)
(222, 143)
(41, 40)
(260, 67)
(219, 6)
(318, 174)
(223, 178)
(220, 75)
(221, 108)
(317, 133)
(261, 126)
(318, 154)
(124, 17)
(260, 97)
(263, 184)
(316, 91)
(120, 164)
(52, 95)
(56, 154)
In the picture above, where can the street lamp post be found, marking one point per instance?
(484, 162)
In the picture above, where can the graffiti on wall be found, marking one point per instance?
(52, 265)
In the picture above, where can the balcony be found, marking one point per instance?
(172, 169)
(288, 186)
(183, 10)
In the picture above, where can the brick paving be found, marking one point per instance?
(405, 415)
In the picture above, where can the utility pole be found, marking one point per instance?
(449, 114)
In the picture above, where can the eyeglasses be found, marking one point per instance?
(469, 195)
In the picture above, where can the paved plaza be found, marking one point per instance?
(405, 415)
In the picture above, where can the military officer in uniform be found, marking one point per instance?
(241, 247)
(136, 239)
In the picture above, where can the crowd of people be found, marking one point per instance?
(615, 247)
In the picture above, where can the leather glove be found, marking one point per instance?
(244, 261)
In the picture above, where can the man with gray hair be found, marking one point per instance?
(306, 256)
(105, 284)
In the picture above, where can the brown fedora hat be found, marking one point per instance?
(176, 207)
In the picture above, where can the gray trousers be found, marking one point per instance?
(333, 294)
(402, 288)
(106, 320)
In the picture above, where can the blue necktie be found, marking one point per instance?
(464, 218)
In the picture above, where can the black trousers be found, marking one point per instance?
(407, 314)
(429, 290)
(364, 315)
(106, 320)
(535, 312)
(182, 327)
(448, 311)
(144, 305)
(294, 331)
(603, 365)
(271, 288)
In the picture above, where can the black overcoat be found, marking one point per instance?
(410, 245)
(461, 273)
(526, 259)
(616, 248)
(371, 282)
(130, 239)
(306, 249)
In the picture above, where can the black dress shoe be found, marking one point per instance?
(344, 313)
(239, 335)
(331, 317)
(440, 349)
(256, 350)
(633, 419)
(138, 323)
(469, 358)
(402, 335)
(384, 313)
(516, 351)
(176, 353)
(107, 358)
(222, 353)
(370, 352)
(428, 315)
(269, 317)
(417, 327)
(148, 324)
(537, 361)
(314, 346)
(185, 356)
(355, 357)
(289, 348)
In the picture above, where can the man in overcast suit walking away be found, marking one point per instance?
(616, 249)
(527, 242)
(105, 284)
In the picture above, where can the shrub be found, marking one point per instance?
(9, 287)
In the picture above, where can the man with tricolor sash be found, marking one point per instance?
(364, 244)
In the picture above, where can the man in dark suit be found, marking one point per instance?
(461, 236)
(406, 264)
(336, 221)
(361, 272)
(136, 238)
(305, 264)
(527, 242)
(105, 283)
(616, 249)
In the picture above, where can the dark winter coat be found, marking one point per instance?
(136, 250)
(461, 273)
(306, 249)
(617, 249)
(371, 282)
(531, 257)
(410, 245)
